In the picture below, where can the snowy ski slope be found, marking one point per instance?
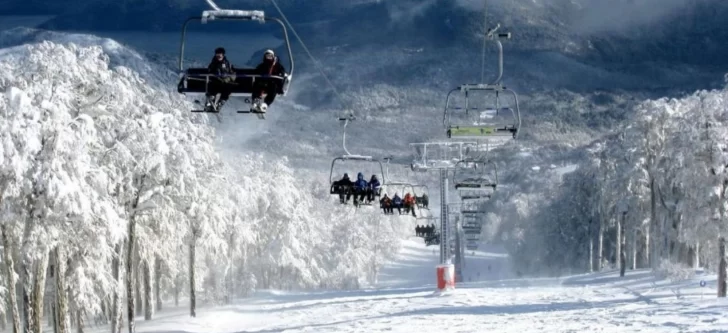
(404, 302)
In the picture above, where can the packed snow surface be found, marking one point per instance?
(405, 302)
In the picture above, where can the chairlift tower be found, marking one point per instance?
(443, 157)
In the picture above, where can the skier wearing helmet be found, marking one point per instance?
(270, 66)
(225, 76)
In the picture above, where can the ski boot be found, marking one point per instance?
(258, 106)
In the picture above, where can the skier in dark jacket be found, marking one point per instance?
(374, 188)
(386, 204)
(222, 82)
(270, 66)
(343, 187)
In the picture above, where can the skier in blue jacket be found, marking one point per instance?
(374, 187)
(397, 203)
(360, 188)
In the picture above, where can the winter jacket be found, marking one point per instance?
(374, 184)
(409, 199)
(345, 181)
(360, 183)
(270, 67)
(220, 67)
(397, 200)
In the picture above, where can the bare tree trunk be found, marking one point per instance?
(620, 256)
(158, 282)
(130, 279)
(27, 279)
(193, 299)
(80, 321)
(600, 247)
(138, 283)
(590, 264)
(648, 246)
(230, 275)
(697, 255)
(49, 306)
(633, 246)
(618, 242)
(11, 279)
(116, 312)
(39, 283)
(54, 316)
(61, 297)
(148, 295)
(176, 292)
(653, 249)
(721, 268)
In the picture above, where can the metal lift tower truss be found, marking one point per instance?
(443, 157)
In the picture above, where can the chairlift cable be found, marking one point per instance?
(313, 59)
(485, 41)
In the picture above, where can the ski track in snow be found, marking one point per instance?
(404, 301)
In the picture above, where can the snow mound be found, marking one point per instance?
(117, 54)
(93, 152)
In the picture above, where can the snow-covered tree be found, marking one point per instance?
(95, 152)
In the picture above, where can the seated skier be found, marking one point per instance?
(343, 187)
(221, 83)
(386, 204)
(422, 201)
(397, 203)
(409, 204)
(374, 188)
(360, 188)
(269, 66)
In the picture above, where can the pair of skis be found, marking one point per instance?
(209, 109)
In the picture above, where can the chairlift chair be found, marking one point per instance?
(432, 240)
(427, 220)
(351, 157)
(412, 187)
(195, 81)
(419, 199)
(482, 181)
(492, 122)
(387, 185)
(440, 155)
(487, 122)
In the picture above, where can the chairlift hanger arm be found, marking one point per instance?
(501, 35)
(446, 115)
(517, 111)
